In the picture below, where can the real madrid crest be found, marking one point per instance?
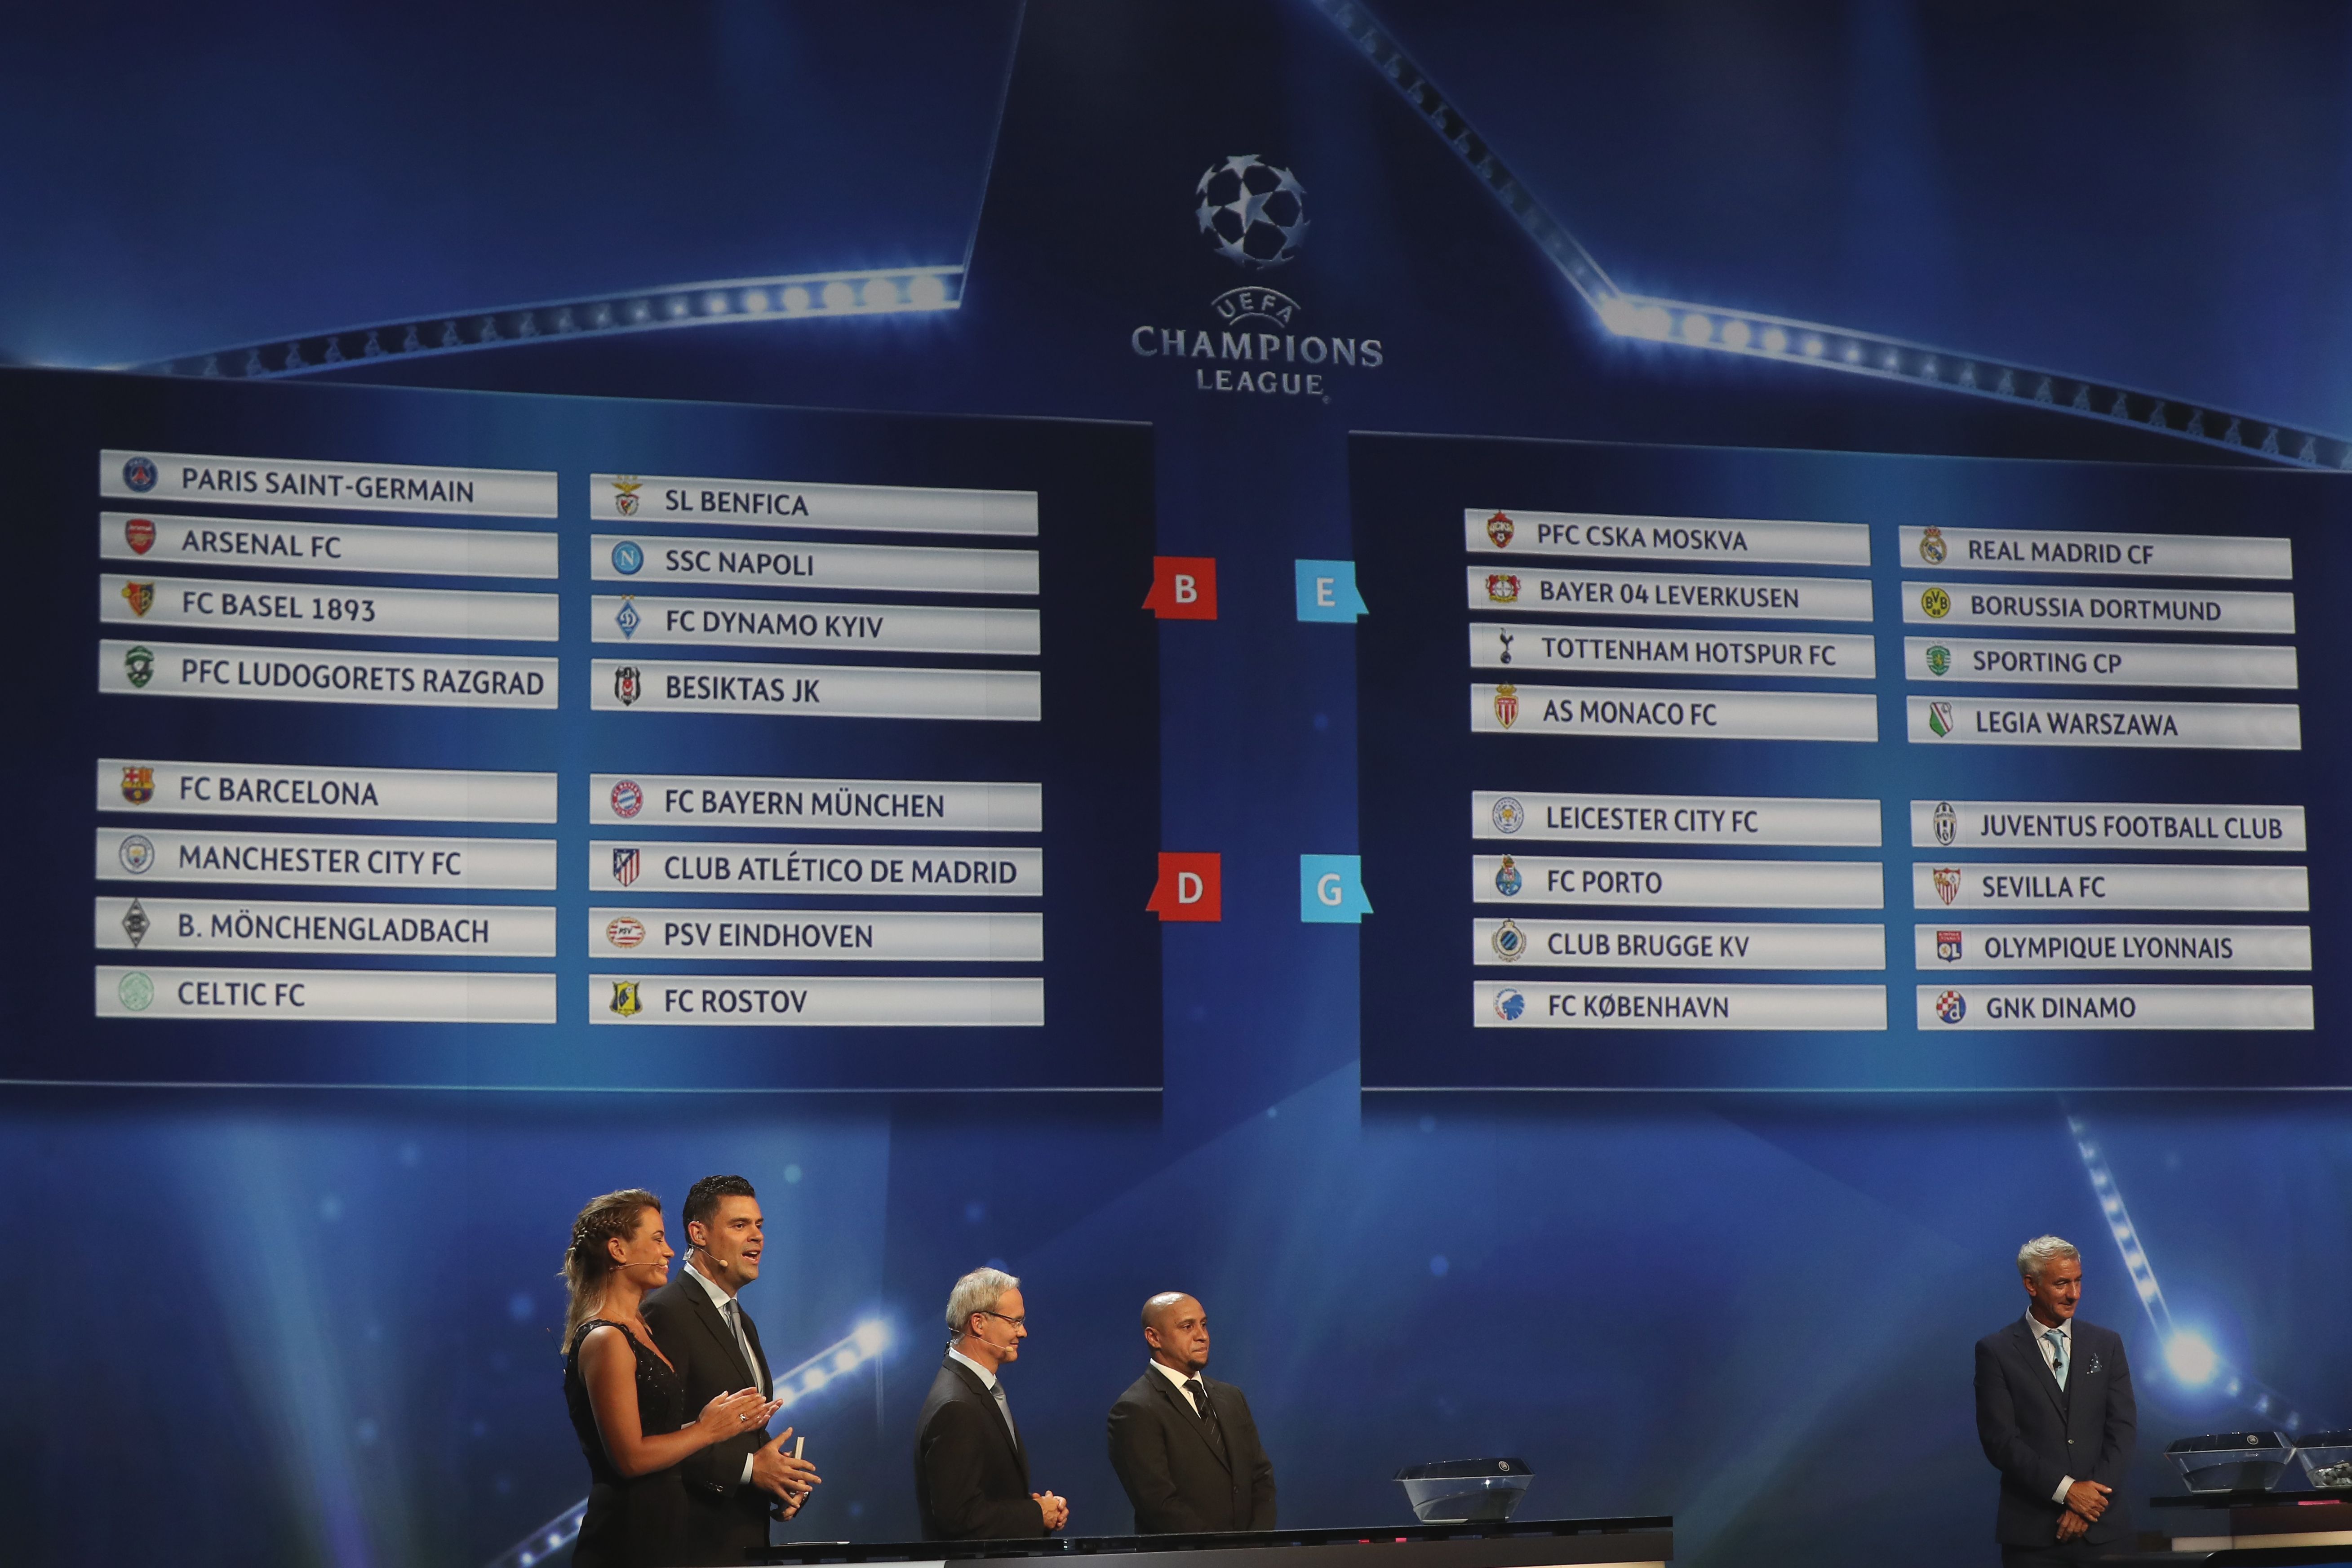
(1931, 547)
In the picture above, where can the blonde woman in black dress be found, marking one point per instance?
(626, 1402)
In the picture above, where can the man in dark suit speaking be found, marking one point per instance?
(2055, 1415)
(1185, 1446)
(971, 1472)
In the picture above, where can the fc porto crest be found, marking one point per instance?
(624, 494)
(1950, 946)
(1947, 882)
(625, 998)
(1508, 878)
(139, 532)
(139, 666)
(1499, 529)
(140, 474)
(139, 785)
(627, 864)
(628, 684)
(1932, 548)
(140, 596)
(1507, 705)
(1502, 588)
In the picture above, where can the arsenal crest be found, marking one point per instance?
(628, 863)
(1499, 529)
(1948, 883)
(140, 596)
(625, 998)
(1507, 705)
(139, 532)
(628, 684)
(139, 785)
(1948, 946)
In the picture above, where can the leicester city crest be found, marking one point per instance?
(628, 684)
(1508, 880)
(625, 998)
(1508, 815)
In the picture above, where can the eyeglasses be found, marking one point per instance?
(1017, 1322)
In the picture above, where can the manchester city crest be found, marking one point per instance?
(1939, 660)
(1509, 943)
(1499, 529)
(138, 473)
(139, 532)
(626, 865)
(628, 684)
(137, 854)
(139, 785)
(1508, 880)
(139, 666)
(1931, 547)
(1948, 822)
(624, 494)
(625, 998)
(140, 596)
(1949, 946)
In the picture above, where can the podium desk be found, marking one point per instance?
(1640, 1542)
(2255, 1528)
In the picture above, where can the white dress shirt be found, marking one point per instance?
(2037, 1327)
(1179, 1379)
(988, 1378)
(720, 1298)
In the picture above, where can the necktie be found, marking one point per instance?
(743, 1343)
(1004, 1408)
(1200, 1393)
(2057, 1355)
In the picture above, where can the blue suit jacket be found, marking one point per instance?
(2034, 1435)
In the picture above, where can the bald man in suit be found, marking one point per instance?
(1185, 1446)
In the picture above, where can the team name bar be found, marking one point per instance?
(2095, 825)
(298, 546)
(2166, 947)
(264, 789)
(817, 690)
(813, 564)
(2109, 555)
(354, 487)
(2058, 1007)
(2034, 661)
(1619, 1005)
(806, 622)
(2058, 885)
(1609, 593)
(817, 1000)
(327, 859)
(1677, 944)
(1656, 713)
(1493, 531)
(625, 935)
(1673, 652)
(291, 675)
(2060, 721)
(1685, 883)
(1672, 818)
(733, 801)
(891, 509)
(901, 869)
(2098, 609)
(325, 609)
(326, 996)
(221, 925)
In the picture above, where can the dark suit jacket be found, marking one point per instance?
(1168, 1459)
(2034, 1435)
(972, 1477)
(725, 1518)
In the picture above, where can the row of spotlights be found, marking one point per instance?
(924, 291)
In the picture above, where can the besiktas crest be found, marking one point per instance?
(1252, 213)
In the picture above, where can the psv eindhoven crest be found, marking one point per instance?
(139, 785)
(628, 684)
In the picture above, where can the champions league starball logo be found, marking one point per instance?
(1252, 213)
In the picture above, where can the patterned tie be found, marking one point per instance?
(2057, 1355)
(1202, 1407)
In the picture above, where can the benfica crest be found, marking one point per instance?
(625, 998)
(140, 596)
(139, 532)
(1499, 528)
(628, 684)
(139, 785)
(1948, 883)
(1507, 705)
(624, 494)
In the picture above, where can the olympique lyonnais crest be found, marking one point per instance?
(139, 785)
(1507, 705)
(1932, 547)
(1948, 946)
(1499, 528)
(624, 494)
(1948, 883)
(139, 532)
(628, 684)
(628, 863)
(1502, 588)
(625, 998)
(140, 596)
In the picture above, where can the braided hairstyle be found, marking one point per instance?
(586, 1260)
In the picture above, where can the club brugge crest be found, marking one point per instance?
(626, 865)
(628, 798)
(1502, 588)
(1948, 883)
(139, 785)
(139, 532)
(625, 493)
(1509, 942)
(1939, 660)
(628, 684)
(139, 664)
(1508, 880)
(1948, 822)
(1939, 718)
(138, 473)
(1931, 547)
(625, 998)
(1948, 946)
(140, 596)
(1507, 705)
(1499, 528)
(1952, 1007)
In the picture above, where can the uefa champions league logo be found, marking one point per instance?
(1253, 212)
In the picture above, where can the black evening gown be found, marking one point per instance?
(630, 1523)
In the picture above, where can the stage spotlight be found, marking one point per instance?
(796, 299)
(714, 303)
(837, 296)
(1735, 334)
(1697, 329)
(1776, 340)
(881, 293)
(872, 1337)
(928, 292)
(1814, 348)
(1617, 314)
(816, 1377)
(755, 301)
(2190, 1359)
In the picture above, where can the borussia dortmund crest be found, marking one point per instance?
(1935, 602)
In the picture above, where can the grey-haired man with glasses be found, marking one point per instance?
(972, 1469)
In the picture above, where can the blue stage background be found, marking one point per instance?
(303, 1326)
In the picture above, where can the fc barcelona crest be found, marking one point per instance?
(625, 998)
(1948, 883)
(628, 863)
(628, 684)
(1499, 528)
(1507, 705)
(140, 596)
(139, 785)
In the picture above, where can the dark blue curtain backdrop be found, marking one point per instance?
(301, 1326)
